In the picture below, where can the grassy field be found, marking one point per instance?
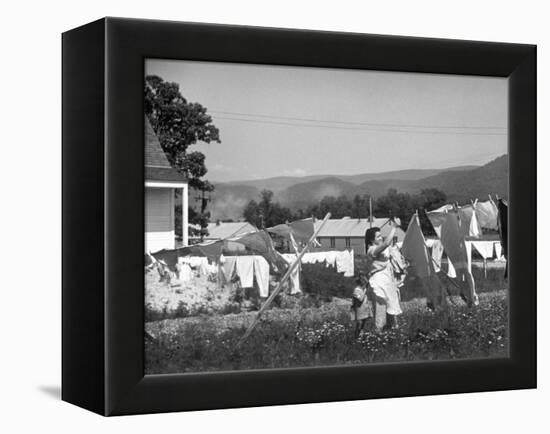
(323, 335)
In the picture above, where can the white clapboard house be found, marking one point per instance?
(161, 181)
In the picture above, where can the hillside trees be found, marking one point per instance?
(266, 212)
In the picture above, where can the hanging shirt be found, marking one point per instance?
(261, 272)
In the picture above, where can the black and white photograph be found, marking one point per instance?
(300, 217)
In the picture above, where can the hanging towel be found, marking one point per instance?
(261, 272)
(344, 263)
(229, 267)
(245, 270)
(487, 215)
(485, 248)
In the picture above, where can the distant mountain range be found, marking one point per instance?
(459, 184)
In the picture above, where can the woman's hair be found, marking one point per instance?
(370, 234)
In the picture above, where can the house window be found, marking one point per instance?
(348, 242)
(332, 242)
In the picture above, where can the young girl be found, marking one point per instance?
(360, 306)
(381, 280)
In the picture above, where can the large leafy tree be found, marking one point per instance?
(266, 212)
(179, 124)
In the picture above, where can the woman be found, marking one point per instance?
(360, 306)
(385, 292)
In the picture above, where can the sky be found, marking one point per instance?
(296, 121)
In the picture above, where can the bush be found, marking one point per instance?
(325, 282)
(326, 337)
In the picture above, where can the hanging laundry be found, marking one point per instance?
(426, 225)
(469, 254)
(302, 230)
(170, 258)
(451, 272)
(503, 230)
(295, 275)
(245, 270)
(229, 267)
(452, 237)
(185, 274)
(344, 263)
(469, 225)
(415, 252)
(414, 249)
(260, 243)
(437, 254)
(261, 272)
(487, 214)
(498, 251)
(212, 250)
(485, 248)
(436, 219)
(475, 229)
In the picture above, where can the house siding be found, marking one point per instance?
(357, 244)
(159, 219)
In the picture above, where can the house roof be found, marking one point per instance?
(221, 231)
(157, 167)
(353, 227)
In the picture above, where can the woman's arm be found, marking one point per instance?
(387, 242)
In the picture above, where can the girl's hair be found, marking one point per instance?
(370, 234)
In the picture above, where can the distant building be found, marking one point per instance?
(161, 180)
(222, 231)
(349, 233)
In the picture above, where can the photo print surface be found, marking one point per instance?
(301, 217)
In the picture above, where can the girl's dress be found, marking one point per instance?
(361, 308)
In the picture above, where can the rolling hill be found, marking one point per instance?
(459, 184)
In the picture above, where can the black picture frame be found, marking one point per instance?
(103, 222)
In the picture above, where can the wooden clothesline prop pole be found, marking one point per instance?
(283, 279)
(370, 211)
